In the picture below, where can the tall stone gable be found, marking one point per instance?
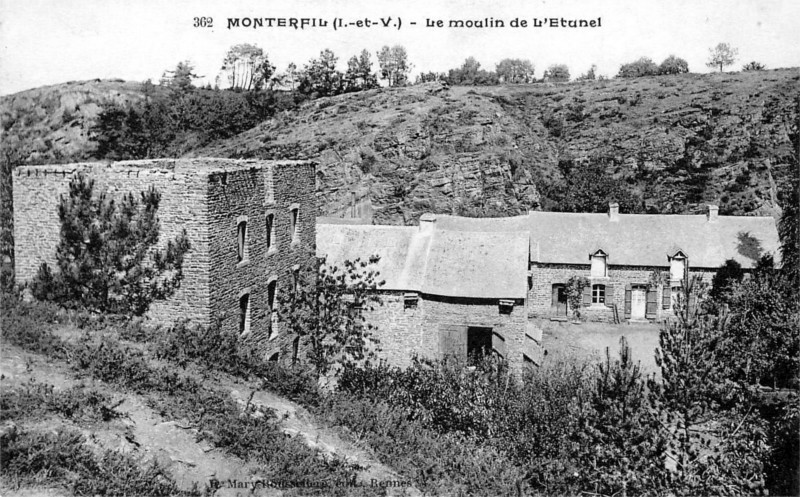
(210, 199)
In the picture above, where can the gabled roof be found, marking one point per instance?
(633, 239)
(436, 262)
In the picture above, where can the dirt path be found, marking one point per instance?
(140, 431)
(144, 433)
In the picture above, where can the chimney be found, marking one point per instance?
(427, 222)
(713, 213)
(613, 212)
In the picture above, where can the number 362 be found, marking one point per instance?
(203, 22)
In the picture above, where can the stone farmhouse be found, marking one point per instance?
(457, 285)
(250, 224)
(454, 285)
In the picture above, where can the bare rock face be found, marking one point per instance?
(675, 142)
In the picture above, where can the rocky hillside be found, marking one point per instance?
(673, 142)
(51, 123)
(676, 142)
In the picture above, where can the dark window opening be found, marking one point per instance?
(270, 232)
(244, 314)
(274, 357)
(479, 342)
(272, 312)
(294, 223)
(241, 234)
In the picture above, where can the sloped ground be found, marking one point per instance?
(676, 141)
(51, 124)
(143, 432)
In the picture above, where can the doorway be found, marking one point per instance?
(479, 341)
(638, 302)
(559, 301)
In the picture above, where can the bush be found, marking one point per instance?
(753, 66)
(673, 65)
(35, 400)
(639, 68)
(63, 458)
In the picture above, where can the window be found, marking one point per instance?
(598, 294)
(270, 232)
(244, 314)
(598, 266)
(295, 278)
(241, 234)
(272, 311)
(295, 219)
(677, 268)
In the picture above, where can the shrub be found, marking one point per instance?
(63, 458)
(557, 73)
(673, 65)
(327, 311)
(34, 400)
(639, 68)
(753, 66)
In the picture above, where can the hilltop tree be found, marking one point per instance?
(515, 71)
(394, 65)
(644, 66)
(320, 77)
(722, 55)
(470, 73)
(106, 256)
(557, 73)
(359, 75)
(248, 67)
(181, 79)
(673, 65)
(590, 75)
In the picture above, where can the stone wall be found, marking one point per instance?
(405, 332)
(207, 198)
(37, 190)
(250, 195)
(544, 276)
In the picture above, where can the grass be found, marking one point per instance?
(63, 458)
(251, 433)
(35, 400)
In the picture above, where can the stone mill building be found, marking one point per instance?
(454, 285)
(250, 224)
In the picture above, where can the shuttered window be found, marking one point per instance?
(628, 299)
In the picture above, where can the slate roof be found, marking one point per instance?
(436, 262)
(634, 239)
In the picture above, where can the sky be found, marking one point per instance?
(45, 42)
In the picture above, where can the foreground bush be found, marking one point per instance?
(64, 459)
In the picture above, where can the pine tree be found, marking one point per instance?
(107, 260)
